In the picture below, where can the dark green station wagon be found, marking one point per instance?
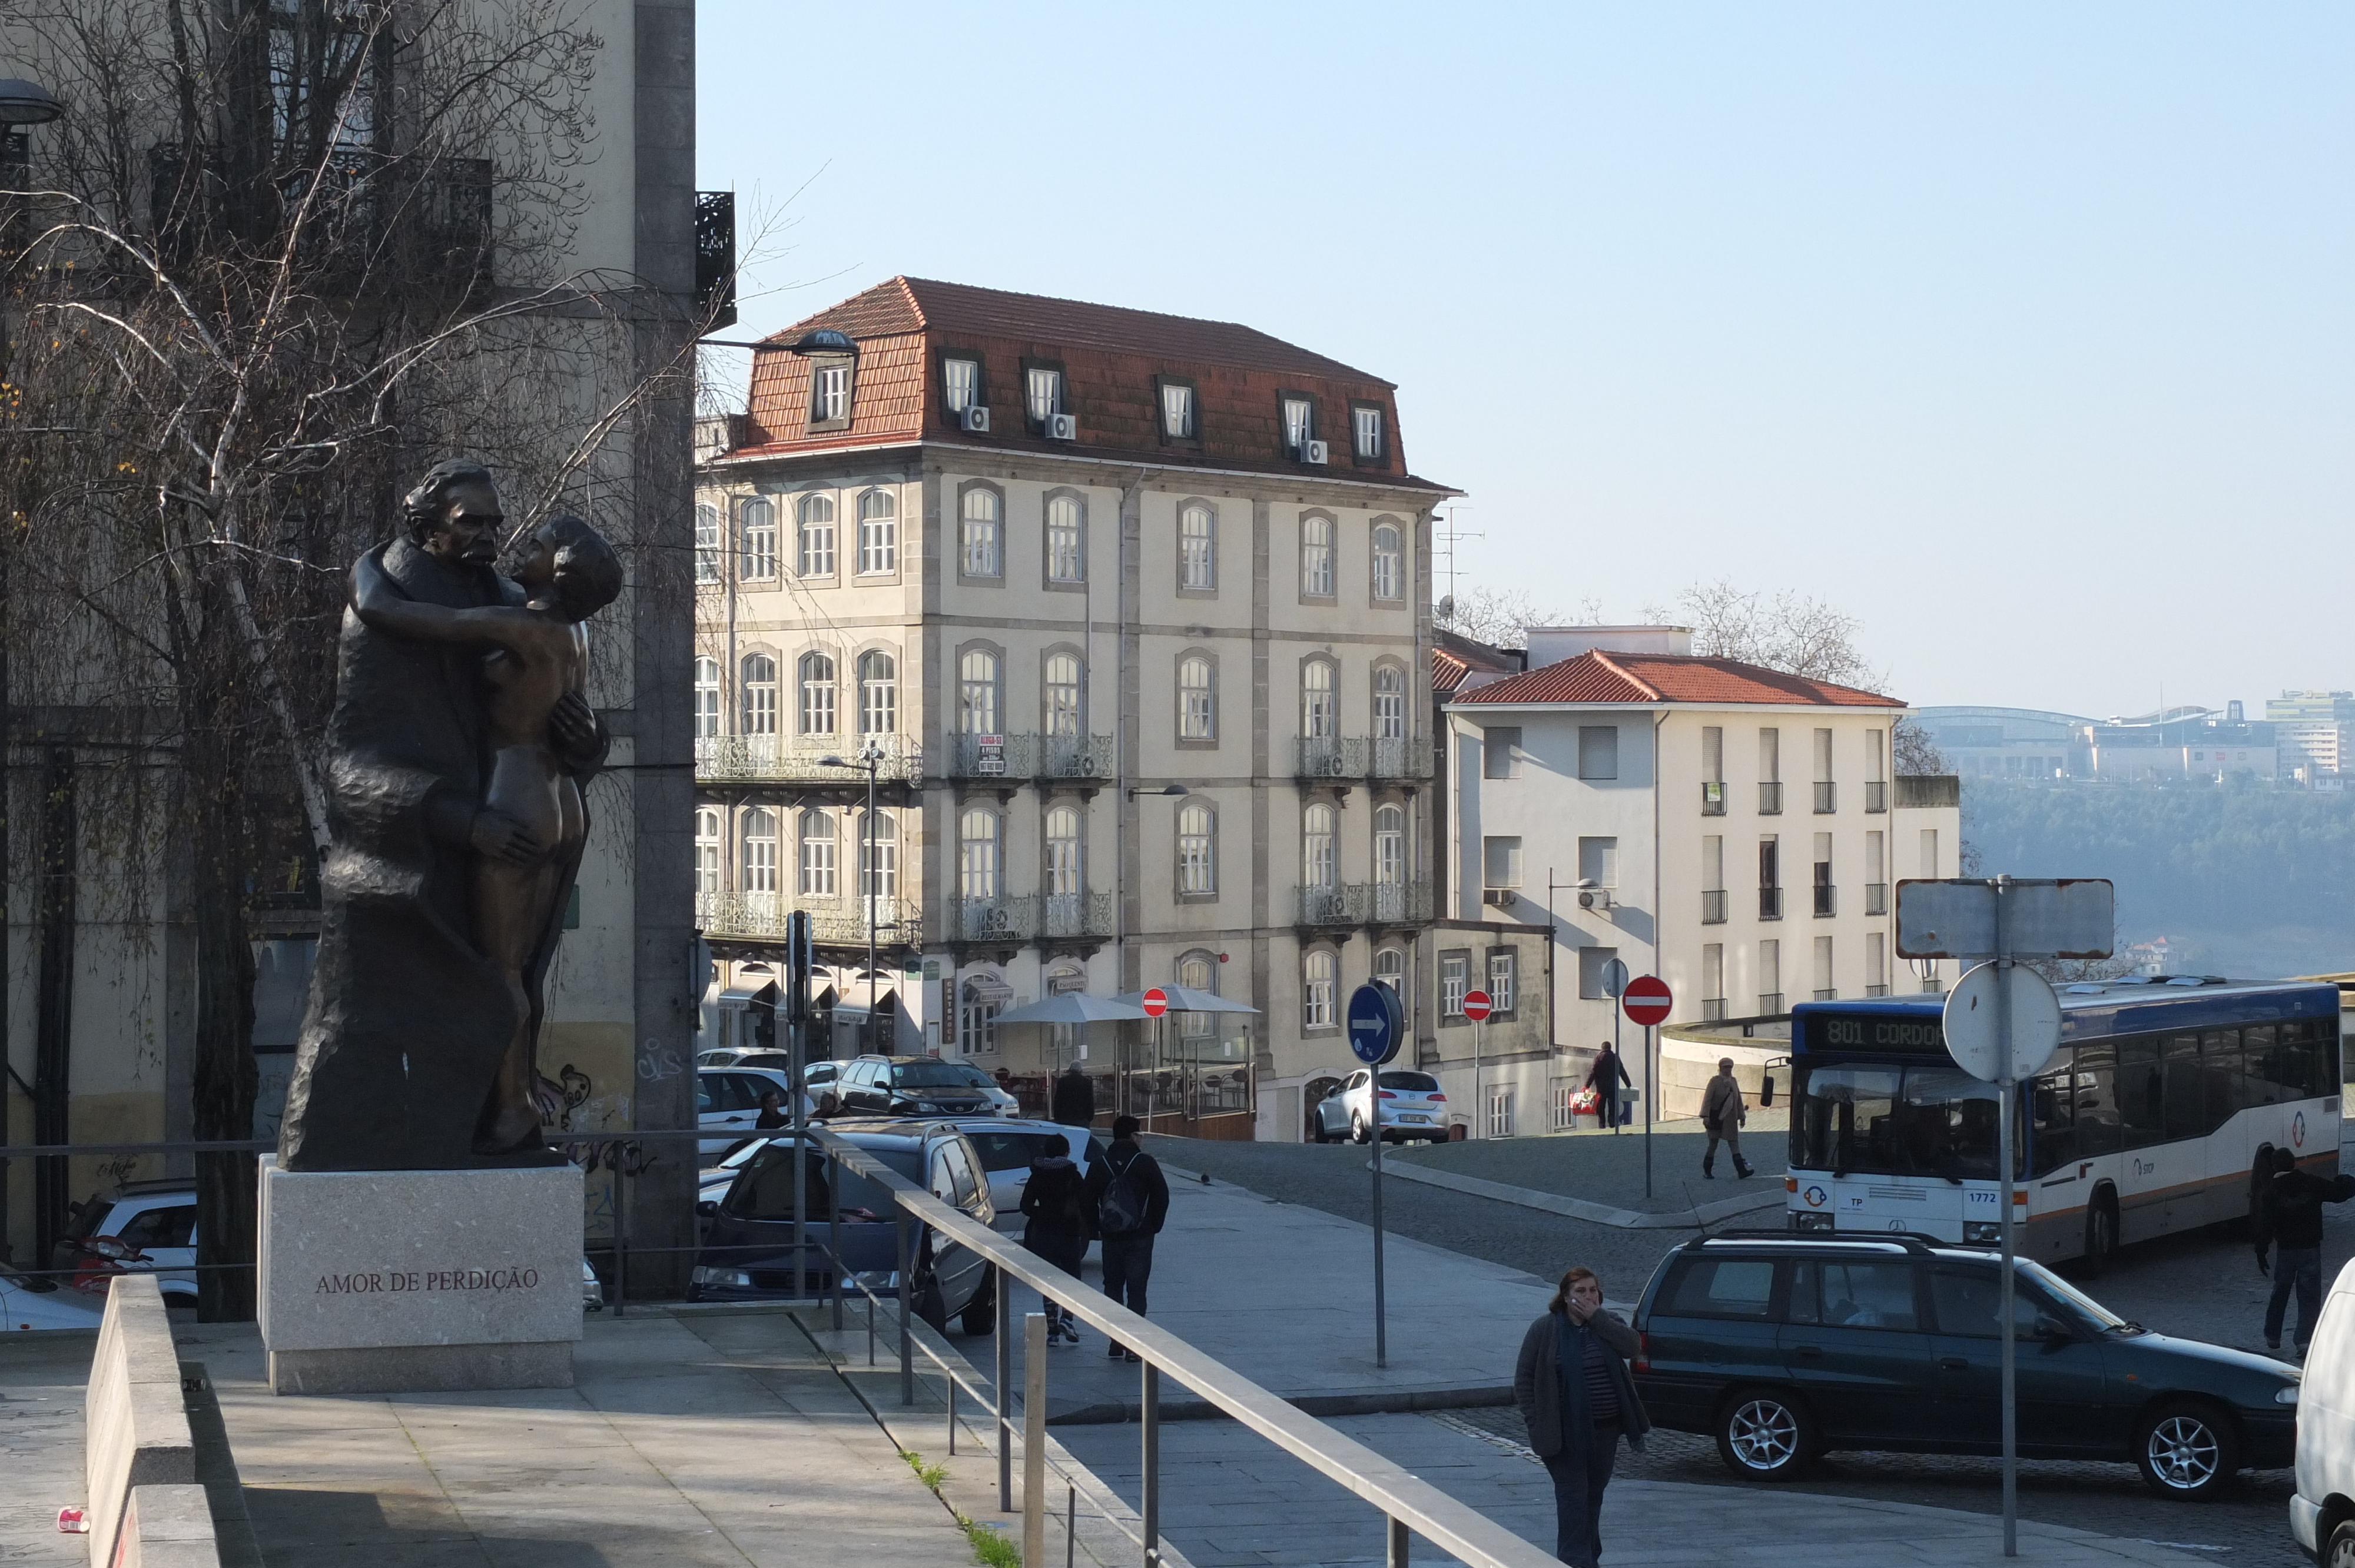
(1784, 1350)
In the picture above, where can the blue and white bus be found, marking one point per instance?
(2145, 1121)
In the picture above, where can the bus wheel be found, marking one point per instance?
(2101, 1231)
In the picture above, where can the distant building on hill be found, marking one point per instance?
(2316, 729)
(2009, 743)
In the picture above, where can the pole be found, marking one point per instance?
(1004, 1283)
(1034, 1437)
(1381, 1327)
(873, 757)
(1149, 1494)
(1479, 1035)
(907, 1346)
(1651, 1077)
(2006, 1088)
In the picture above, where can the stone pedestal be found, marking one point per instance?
(405, 1281)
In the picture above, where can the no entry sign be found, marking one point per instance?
(1155, 1002)
(1476, 1005)
(1646, 1000)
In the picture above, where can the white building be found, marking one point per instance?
(1731, 828)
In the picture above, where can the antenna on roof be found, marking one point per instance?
(1447, 536)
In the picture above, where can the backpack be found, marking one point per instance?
(1120, 1211)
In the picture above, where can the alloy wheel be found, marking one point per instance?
(2184, 1452)
(1763, 1434)
(2343, 1549)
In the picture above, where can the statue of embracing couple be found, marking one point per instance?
(457, 750)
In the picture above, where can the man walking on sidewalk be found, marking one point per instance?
(1129, 1197)
(1604, 1080)
(1074, 1100)
(1722, 1112)
(2291, 1219)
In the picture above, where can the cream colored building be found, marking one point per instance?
(1130, 609)
(1733, 830)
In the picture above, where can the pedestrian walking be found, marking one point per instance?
(1723, 1112)
(1074, 1102)
(1128, 1198)
(1577, 1400)
(2289, 1224)
(1055, 1209)
(1604, 1080)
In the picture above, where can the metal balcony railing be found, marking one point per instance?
(840, 921)
(1769, 904)
(1345, 904)
(1826, 797)
(1712, 908)
(1876, 991)
(1402, 903)
(1876, 798)
(1770, 799)
(1876, 898)
(1769, 1002)
(1407, 758)
(796, 758)
(1013, 919)
(1020, 757)
(1827, 995)
(1062, 915)
(1712, 1010)
(1826, 900)
(1330, 756)
(1712, 799)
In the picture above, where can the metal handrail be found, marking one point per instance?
(1454, 1527)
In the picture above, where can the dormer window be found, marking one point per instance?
(1299, 424)
(1179, 421)
(830, 387)
(1366, 431)
(960, 384)
(1042, 393)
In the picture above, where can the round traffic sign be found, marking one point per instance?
(1155, 1002)
(1973, 1038)
(1646, 1000)
(1614, 977)
(1376, 1022)
(1476, 1005)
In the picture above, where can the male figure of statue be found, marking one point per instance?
(406, 1055)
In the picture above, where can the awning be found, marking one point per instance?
(736, 997)
(1186, 998)
(1072, 1007)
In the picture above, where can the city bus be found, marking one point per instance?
(2146, 1121)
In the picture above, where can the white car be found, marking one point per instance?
(1007, 1145)
(140, 1228)
(28, 1303)
(1412, 1107)
(2322, 1509)
(728, 1104)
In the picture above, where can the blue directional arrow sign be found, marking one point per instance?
(1377, 1023)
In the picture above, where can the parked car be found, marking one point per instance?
(593, 1289)
(1007, 1145)
(913, 1085)
(1784, 1350)
(1412, 1108)
(146, 1227)
(747, 1254)
(2322, 1509)
(766, 1056)
(30, 1302)
(728, 1101)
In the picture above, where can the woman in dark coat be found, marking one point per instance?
(1055, 1206)
(1575, 1391)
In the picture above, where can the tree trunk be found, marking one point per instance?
(53, 1006)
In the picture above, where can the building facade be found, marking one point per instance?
(1125, 613)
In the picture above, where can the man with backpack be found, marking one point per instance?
(1056, 1203)
(1129, 1199)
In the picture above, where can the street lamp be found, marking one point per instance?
(24, 102)
(871, 760)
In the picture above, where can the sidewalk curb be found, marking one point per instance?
(1579, 1208)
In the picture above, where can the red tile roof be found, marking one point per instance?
(1454, 657)
(1597, 676)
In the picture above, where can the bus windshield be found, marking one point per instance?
(1916, 1120)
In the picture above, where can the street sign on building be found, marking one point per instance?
(1647, 1000)
(989, 755)
(1476, 1006)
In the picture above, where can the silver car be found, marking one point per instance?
(1412, 1107)
(1007, 1145)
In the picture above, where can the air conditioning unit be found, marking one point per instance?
(976, 418)
(1312, 451)
(1599, 898)
(1062, 427)
(1502, 897)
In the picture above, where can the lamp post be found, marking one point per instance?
(871, 760)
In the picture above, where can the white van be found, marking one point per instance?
(2322, 1511)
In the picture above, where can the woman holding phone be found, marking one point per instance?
(1575, 1391)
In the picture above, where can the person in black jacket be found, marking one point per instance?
(1128, 1198)
(1074, 1100)
(2290, 1219)
(1578, 1399)
(1604, 1080)
(1055, 1204)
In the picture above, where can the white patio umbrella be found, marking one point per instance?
(1186, 998)
(1072, 1007)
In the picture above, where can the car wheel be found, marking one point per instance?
(1764, 1434)
(1317, 1133)
(1359, 1131)
(2186, 1450)
(2339, 1552)
(980, 1314)
(2101, 1231)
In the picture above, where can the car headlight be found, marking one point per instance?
(882, 1281)
(1983, 1231)
(723, 1276)
(2285, 1395)
(1811, 1222)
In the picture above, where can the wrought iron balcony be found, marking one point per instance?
(1330, 757)
(1826, 797)
(1712, 1010)
(1827, 995)
(1402, 903)
(1364, 903)
(1769, 1003)
(1024, 756)
(1769, 904)
(1712, 799)
(1876, 898)
(1031, 916)
(1407, 758)
(839, 921)
(1068, 915)
(796, 758)
(1712, 908)
(1876, 798)
(1770, 799)
(1876, 991)
(1827, 901)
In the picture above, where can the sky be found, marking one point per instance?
(2020, 332)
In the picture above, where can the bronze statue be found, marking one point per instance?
(459, 744)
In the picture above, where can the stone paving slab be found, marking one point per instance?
(42, 1378)
(1598, 1166)
(1754, 1198)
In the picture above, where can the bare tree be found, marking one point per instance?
(1791, 632)
(1914, 752)
(1498, 617)
(280, 255)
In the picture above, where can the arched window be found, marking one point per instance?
(978, 693)
(1065, 876)
(1389, 846)
(706, 851)
(1316, 980)
(1390, 562)
(1198, 970)
(760, 866)
(1062, 694)
(756, 535)
(977, 854)
(1389, 967)
(982, 998)
(817, 854)
(1197, 547)
(879, 532)
(1316, 556)
(1065, 562)
(707, 698)
(1198, 710)
(1197, 861)
(983, 554)
(1319, 713)
(817, 695)
(879, 692)
(1318, 868)
(707, 543)
(816, 548)
(758, 686)
(1390, 703)
(879, 855)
